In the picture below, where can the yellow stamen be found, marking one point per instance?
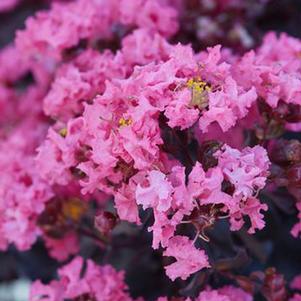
(63, 132)
(198, 85)
(200, 91)
(125, 122)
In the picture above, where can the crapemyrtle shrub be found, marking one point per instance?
(150, 150)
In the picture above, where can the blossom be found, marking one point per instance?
(163, 229)
(80, 80)
(246, 170)
(296, 230)
(61, 249)
(23, 192)
(157, 194)
(62, 27)
(188, 258)
(296, 283)
(99, 104)
(100, 282)
(126, 205)
(212, 296)
(226, 293)
(272, 71)
(227, 105)
(51, 33)
(57, 154)
(248, 175)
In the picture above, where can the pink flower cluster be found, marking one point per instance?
(172, 200)
(103, 283)
(79, 120)
(99, 283)
(50, 33)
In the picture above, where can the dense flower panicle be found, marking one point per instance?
(171, 199)
(22, 191)
(80, 81)
(90, 70)
(213, 93)
(65, 25)
(132, 132)
(274, 73)
(98, 105)
(51, 32)
(100, 283)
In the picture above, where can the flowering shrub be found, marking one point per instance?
(110, 128)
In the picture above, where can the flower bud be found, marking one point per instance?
(105, 222)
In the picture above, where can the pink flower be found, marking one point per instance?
(226, 293)
(273, 72)
(297, 227)
(23, 192)
(227, 106)
(212, 296)
(246, 170)
(163, 229)
(144, 46)
(102, 283)
(50, 32)
(61, 249)
(80, 81)
(188, 259)
(296, 283)
(157, 194)
(58, 153)
(41, 292)
(235, 293)
(155, 15)
(126, 205)
(180, 113)
(65, 25)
